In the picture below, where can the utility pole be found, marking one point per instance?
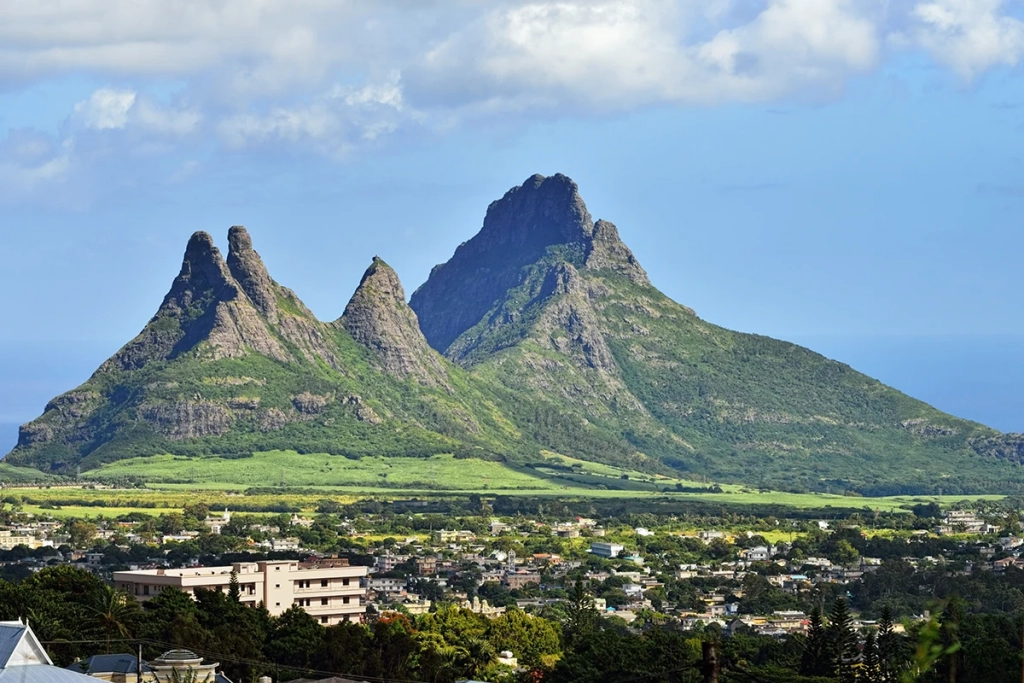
(138, 665)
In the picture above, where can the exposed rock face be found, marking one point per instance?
(247, 268)
(1008, 447)
(188, 419)
(378, 318)
(608, 252)
(517, 231)
(541, 215)
(205, 304)
(571, 324)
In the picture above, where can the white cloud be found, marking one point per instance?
(970, 36)
(328, 76)
(30, 160)
(106, 109)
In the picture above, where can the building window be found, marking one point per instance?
(344, 582)
(323, 583)
(277, 585)
(323, 620)
(345, 599)
(145, 590)
(324, 601)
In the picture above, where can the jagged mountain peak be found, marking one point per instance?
(540, 212)
(247, 268)
(378, 318)
(545, 218)
(607, 251)
(202, 267)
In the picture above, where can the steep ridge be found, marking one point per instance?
(233, 362)
(378, 318)
(562, 311)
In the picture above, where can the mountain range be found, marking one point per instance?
(542, 333)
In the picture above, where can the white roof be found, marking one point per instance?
(19, 646)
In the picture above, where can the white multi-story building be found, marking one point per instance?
(606, 549)
(328, 590)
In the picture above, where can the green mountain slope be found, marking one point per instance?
(572, 321)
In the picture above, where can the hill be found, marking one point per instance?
(234, 363)
(541, 333)
(554, 307)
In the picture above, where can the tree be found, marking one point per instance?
(891, 661)
(294, 638)
(234, 589)
(114, 613)
(530, 639)
(80, 533)
(816, 659)
(843, 641)
(870, 672)
(580, 616)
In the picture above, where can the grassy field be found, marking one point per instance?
(436, 473)
(287, 480)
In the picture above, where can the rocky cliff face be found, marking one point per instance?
(517, 231)
(233, 361)
(378, 318)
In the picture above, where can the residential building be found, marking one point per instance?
(181, 665)
(24, 660)
(386, 584)
(328, 590)
(519, 579)
(603, 549)
(11, 538)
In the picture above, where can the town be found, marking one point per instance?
(727, 574)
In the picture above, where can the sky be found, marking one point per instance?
(844, 174)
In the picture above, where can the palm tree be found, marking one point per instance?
(113, 613)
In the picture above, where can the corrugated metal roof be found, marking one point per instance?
(42, 673)
(116, 663)
(10, 636)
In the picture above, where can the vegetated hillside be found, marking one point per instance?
(554, 307)
(555, 340)
(234, 363)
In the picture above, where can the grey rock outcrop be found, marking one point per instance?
(378, 318)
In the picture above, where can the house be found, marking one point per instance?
(385, 584)
(171, 665)
(23, 659)
(519, 579)
(602, 549)
(116, 668)
(328, 590)
(758, 553)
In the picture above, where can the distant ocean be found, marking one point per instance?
(977, 377)
(972, 376)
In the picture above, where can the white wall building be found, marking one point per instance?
(329, 590)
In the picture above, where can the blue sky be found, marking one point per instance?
(842, 174)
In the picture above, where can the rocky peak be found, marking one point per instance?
(378, 318)
(607, 251)
(540, 212)
(203, 274)
(247, 268)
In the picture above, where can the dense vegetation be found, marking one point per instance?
(76, 615)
